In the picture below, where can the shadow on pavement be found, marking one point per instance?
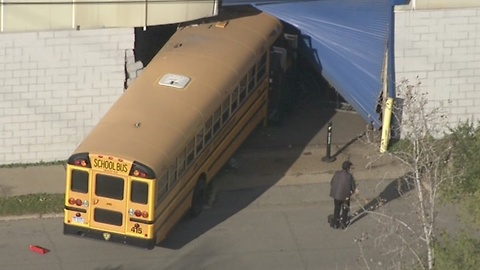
(392, 191)
(228, 203)
(339, 151)
(304, 123)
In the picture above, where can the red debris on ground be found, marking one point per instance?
(38, 249)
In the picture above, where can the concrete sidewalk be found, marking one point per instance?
(32, 179)
(280, 166)
(288, 167)
(271, 170)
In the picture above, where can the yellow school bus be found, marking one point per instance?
(149, 160)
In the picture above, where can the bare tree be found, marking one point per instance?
(407, 239)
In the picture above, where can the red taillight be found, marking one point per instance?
(71, 201)
(80, 162)
(77, 202)
(139, 213)
(138, 173)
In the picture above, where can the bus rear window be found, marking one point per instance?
(139, 192)
(79, 181)
(109, 186)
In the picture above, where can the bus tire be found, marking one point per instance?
(198, 198)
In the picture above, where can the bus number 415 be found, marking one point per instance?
(136, 228)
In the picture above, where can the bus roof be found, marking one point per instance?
(180, 88)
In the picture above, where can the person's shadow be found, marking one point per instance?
(394, 190)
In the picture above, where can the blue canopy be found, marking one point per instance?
(349, 39)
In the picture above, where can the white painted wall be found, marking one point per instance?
(442, 48)
(55, 87)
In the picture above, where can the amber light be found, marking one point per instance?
(73, 201)
(138, 173)
(80, 162)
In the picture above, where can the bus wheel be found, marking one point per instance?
(198, 199)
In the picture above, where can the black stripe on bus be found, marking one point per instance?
(69, 208)
(186, 196)
(142, 221)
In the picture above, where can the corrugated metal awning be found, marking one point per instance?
(349, 38)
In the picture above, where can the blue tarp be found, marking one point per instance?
(349, 39)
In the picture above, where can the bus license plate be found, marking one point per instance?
(78, 220)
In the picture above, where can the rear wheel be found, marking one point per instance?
(198, 199)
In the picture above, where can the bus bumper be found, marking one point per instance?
(108, 236)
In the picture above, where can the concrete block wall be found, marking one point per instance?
(442, 48)
(55, 87)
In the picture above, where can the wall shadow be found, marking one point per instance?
(396, 189)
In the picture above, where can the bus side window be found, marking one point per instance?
(172, 175)
(181, 163)
(208, 130)
(226, 110)
(251, 79)
(190, 152)
(243, 89)
(235, 99)
(216, 121)
(262, 68)
(199, 141)
(162, 186)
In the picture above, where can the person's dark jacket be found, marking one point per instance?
(342, 185)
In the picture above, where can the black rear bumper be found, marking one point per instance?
(113, 237)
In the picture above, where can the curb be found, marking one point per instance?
(32, 216)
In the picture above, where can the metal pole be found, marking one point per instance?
(328, 157)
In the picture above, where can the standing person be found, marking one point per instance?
(342, 187)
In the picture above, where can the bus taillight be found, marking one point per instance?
(81, 160)
(77, 202)
(71, 201)
(140, 170)
(139, 213)
(138, 173)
